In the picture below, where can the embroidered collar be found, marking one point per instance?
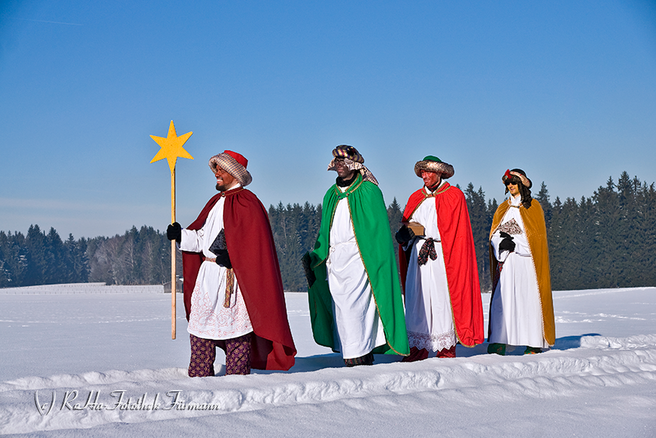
(443, 187)
(344, 192)
(231, 191)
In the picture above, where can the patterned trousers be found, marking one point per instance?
(203, 354)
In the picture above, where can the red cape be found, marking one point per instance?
(459, 260)
(255, 262)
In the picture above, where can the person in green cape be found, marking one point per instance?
(356, 305)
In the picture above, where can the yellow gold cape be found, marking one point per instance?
(536, 233)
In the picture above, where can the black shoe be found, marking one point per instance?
(367, 359)
(495, 348)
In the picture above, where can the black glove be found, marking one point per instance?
(174, 232)
(507, 243)
(222, 258)
(404, 235)
(309, 274)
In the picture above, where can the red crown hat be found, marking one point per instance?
(519, 173)
(239, 157)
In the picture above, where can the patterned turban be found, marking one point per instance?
(353, 160)
(233, 163)
(431, 163)
(346, 151)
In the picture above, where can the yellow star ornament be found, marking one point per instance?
(171, 147)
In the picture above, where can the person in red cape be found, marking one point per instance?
(233, 292)
(438, 267)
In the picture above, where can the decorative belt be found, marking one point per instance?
(230, 282)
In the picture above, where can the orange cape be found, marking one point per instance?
(536, 233)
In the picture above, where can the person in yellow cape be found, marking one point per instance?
(521, 307)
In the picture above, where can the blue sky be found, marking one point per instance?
(565, 90)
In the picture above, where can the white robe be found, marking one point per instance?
(515, 310)
(428, 313)
(359, 327)
(209, 319)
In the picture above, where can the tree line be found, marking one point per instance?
(604, 241)
(137, 257)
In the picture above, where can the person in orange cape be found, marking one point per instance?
(521, 307)
(438, 267)
(233, 292)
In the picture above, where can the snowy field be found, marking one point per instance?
(92, 360)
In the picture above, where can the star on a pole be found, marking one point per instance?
(171, 147)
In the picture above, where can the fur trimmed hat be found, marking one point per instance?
(431, 163)
(233, 163)
(518, 174)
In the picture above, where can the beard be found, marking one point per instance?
(346, 180)
(221, 188)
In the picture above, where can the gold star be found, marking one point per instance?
(171, 147)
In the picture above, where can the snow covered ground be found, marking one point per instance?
(92, 360)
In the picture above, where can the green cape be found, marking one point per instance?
(374, 239)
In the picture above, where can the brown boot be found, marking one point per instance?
(447, 352)
(415, 355)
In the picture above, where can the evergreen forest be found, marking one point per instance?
(605, 241)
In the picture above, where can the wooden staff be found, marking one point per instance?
(173, 254)
(171, 149)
